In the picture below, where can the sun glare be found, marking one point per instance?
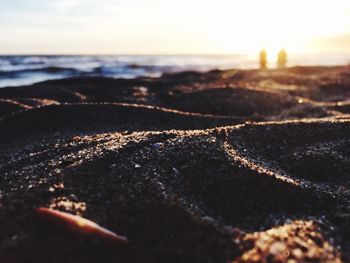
(173, 27)
(276, 24)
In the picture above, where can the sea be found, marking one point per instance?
(28, 69)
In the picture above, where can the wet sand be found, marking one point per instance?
(223, 166)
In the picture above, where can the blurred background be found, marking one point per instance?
(46, 39)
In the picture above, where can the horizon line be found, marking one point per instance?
(160, 54)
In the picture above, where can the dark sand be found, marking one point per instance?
(224, 166)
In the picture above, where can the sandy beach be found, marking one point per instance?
(221, 166)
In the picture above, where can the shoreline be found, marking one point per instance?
(26, 70)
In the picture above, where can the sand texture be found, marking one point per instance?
(223, 166)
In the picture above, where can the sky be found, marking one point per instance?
(173, 27)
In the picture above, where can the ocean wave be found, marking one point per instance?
(48, 70)
(25, 70)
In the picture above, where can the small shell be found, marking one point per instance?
(78, 224)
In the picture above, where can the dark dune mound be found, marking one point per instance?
(333, 92)
(314, 151)
(106, 117)
(58, 93)
(343, 107)
(178, 196)
(35, 103)
(306, 110)
(89, 89)
(274, 92)
(189, 77)
(230, 101)
(311, 70)
(187, 172)
(327, 93)
(285, 79)
(8, 106)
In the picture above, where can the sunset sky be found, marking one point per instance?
(173, 27)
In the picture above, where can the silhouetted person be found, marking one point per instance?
(281, 59)
(263, 59)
